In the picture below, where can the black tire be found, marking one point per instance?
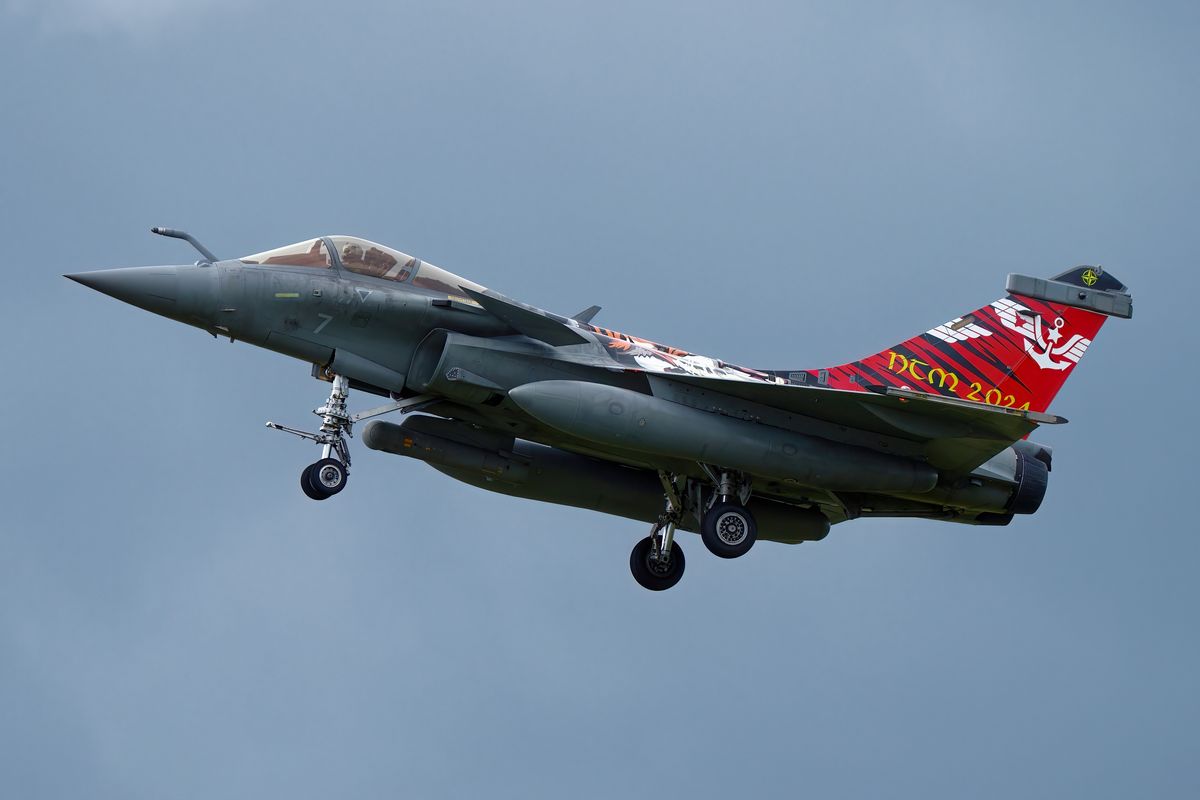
(328, 477)
(651, 577)
(728, 530)
(308, 488)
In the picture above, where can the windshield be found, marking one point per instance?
(311, 253)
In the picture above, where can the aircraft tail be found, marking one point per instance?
(1014, 353)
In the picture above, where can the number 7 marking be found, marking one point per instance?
(328, 319)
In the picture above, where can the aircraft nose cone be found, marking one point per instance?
(155, 289)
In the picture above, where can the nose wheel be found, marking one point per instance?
(324, 479)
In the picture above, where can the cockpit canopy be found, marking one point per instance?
(364, 258)
(312, 253)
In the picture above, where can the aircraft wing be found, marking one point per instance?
(532, 322)
(953, 435)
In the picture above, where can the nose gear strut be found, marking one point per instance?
(328, 476)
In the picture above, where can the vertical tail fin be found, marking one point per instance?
(1016, 352)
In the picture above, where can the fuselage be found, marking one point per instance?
(525, 402)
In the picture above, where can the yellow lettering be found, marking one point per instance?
(943, 377)
(892, 356)
(912, 368)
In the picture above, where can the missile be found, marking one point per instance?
(625, 420)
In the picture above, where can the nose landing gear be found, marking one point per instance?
(328, 476)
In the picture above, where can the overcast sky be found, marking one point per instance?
(781, 185)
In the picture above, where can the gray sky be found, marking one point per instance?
(776, 184)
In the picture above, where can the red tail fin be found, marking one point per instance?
(1016, 352)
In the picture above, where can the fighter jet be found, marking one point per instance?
(521, 401)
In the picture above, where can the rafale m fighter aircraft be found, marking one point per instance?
(527, 403)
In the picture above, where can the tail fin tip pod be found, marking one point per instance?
(1016, 352)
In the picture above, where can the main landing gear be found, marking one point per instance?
(657, 562)
(328, 476)
(727, 528)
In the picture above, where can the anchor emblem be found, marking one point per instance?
(1042, 340)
